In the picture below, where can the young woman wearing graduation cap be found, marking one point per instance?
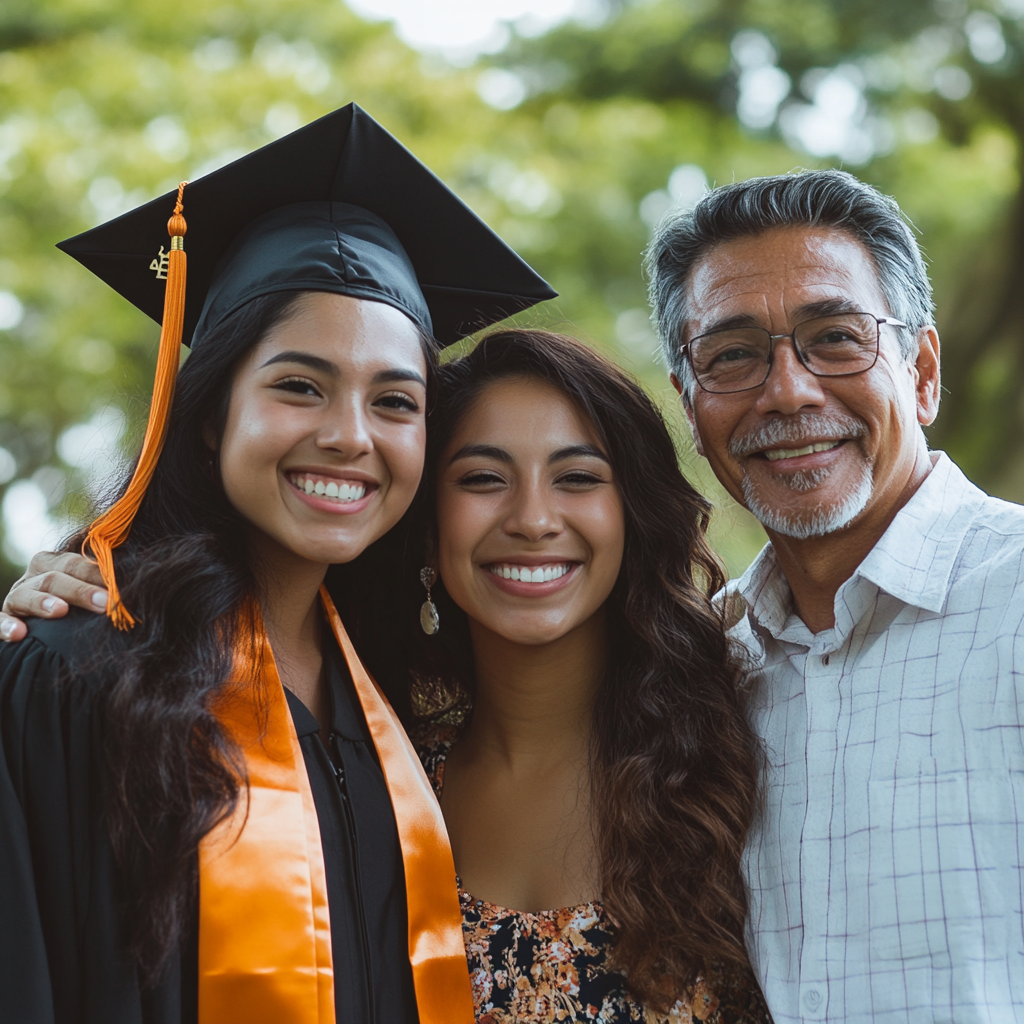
(208, 809)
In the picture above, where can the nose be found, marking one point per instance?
(533, 515)
(346, 429)
(790, 386)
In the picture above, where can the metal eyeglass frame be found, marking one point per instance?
(684, 350)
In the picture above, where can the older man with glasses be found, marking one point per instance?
(884, 617)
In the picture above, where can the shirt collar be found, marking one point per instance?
(914, 558)
(912, 561)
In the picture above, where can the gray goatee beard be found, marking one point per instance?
(824, 519)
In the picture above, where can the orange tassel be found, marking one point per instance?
(111, 529)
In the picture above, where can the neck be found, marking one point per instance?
(535, 701)
(289, 600)
(817, 567)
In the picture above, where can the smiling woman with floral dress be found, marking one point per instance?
(585, 717)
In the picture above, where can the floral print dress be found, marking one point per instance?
(550, 967)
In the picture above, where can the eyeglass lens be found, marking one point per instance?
(829, 346)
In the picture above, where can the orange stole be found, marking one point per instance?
(264, 925)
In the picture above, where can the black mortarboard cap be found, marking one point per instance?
(339, 205)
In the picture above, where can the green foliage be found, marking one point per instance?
(106, 103)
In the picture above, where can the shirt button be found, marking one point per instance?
(824, 659)
(813, 997)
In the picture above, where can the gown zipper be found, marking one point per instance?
(339, 775)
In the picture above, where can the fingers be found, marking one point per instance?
(52, 583)
(11, 628)
(66, 562)
(49, 595)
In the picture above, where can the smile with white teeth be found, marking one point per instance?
(328, 488)
(791, 453)
(531, 574)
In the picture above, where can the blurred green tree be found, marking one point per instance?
(924, 100)
(572, 145)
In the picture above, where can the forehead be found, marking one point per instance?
(770, 276)
(351, 332)
(520, 413)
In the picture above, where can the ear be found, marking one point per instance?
(927, 376)
(688, 409)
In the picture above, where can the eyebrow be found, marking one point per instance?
(316, 363)
(824, 307)
(577, 451)
(321, 365)
(397, 375)
(492, 451)
(827, 307)
(483, 451)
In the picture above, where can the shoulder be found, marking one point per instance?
(72, 637)
(48, 706)
(985, 526)
(55, 648)
(999, 517)
(993, 548)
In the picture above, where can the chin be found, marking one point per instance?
(803, 506)
(533, 635)
(327, 552)
(821, 519)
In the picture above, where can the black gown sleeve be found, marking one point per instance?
(62, 948)
(62, 957)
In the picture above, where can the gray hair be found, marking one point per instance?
(814, 199)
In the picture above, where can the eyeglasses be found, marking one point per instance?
(740, 358)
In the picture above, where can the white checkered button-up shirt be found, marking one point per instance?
(887, 873)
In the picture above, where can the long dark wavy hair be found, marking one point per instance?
(674, 762)
(186, 574)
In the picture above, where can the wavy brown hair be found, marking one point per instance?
(674, 762)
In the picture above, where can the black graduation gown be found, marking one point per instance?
(61, 945)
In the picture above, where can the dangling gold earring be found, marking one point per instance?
(430, 622)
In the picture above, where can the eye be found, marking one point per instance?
(298, 386)
(579, 478)
(481, 478)
(733, 355)
(836, 336)
(399, 401)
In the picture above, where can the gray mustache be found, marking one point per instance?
(794, 431)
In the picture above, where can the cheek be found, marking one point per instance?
(258, 430)
(606, 536)
(712, 428)
(250, 444)
(460, 524)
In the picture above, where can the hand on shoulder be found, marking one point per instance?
(52, 583)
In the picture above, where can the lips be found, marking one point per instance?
(788, 437)
(334, 489)
(540, 579)
(530, 573)
(774, 454)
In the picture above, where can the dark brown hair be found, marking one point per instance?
(674, 762)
